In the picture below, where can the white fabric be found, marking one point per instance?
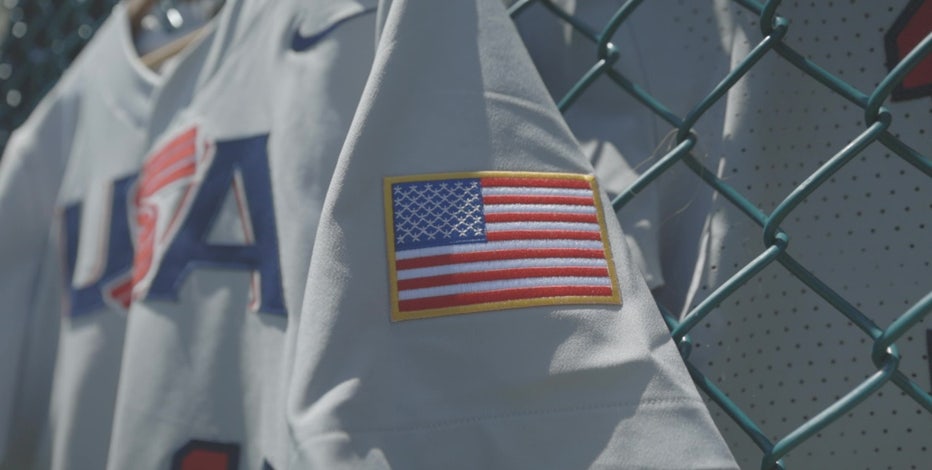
(542, 387)
(59, 374)
(334, 384)
(205, 366)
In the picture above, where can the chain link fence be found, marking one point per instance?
(44, 37)
(881, 334)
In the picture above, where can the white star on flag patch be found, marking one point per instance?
(474, 242)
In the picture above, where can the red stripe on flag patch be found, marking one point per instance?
(538, 199)
(504, 295)
(456, 258)
(542, 235)
(540, 217)
(562, 183)
(498, 275)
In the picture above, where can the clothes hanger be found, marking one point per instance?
(156, 58)
(137, 11)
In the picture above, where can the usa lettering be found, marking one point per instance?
(111, 285)
(195, 205)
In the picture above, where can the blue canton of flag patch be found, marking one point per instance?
(435, 213)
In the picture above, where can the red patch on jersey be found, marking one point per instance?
(909, 29)
(206, 455)
(206, 460)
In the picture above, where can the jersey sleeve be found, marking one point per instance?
(617, 133)
(470, 300)
(30, 173)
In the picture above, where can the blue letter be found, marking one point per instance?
(116, 278)
(190, 249)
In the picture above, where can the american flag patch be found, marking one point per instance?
(474, 242)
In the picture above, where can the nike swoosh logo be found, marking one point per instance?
(301, 43)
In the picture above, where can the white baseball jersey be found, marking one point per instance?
(470, 303)
(779, 350)
(66, 254)
(244, 142)
(536, 346)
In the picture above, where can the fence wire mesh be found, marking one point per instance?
(878, 130)
(45, 37)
